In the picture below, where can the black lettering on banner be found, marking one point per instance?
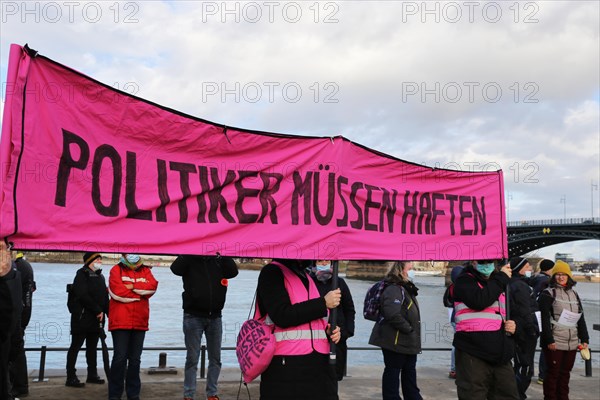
(67, 162)
(452, 198)
(369, 203)
(434, 198)
(464, 215)
(424, 212)
(375, 208)
(342, 180)
(243, 192)
(184, 169)
(479, 215)
(301, 189)
(388, 208)
(358, 224)
(106, 151)
(409, 210)
(201, 198)
(163, 192)
(217, 200)
(266, 195)
(324, 219)
(133, 211)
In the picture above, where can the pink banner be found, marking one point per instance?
(88, 167)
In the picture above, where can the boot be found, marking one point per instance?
(73, 381)
(94, 379)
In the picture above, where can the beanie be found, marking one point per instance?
(561, 267)
(516, 263)
(546, 265)
(89, 257)
(20, 255)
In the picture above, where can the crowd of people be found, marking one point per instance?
(498, 311)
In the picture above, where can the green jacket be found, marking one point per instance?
(400, 329)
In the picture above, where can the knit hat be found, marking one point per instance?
(561, 267)
(455, 273)
(89, 258)
(546, 265)
(517, 263)
(20, 255)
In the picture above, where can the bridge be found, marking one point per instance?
(526, 236)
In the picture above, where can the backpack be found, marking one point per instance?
(372, 304)
(448, 298)
(71, 298)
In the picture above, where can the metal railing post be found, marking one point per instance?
(42, 364)
(588, 366)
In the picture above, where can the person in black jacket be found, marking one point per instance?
(483, 349)
(304, 374)
(399, 333)
(523, 307)
(10, 313)
(322, 272)
(88, 304)
(540, 282)
(204, 290)
(18, 360)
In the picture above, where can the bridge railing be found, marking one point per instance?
(203, 353)
(561, 221)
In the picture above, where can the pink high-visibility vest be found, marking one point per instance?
(304, 338)
(487, 320)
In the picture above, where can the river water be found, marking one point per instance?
(49, 324)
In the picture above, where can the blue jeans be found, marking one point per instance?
(125, 366)
(395, 364)
(193, 329)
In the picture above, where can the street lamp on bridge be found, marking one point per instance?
(563, 200)
(594, 187)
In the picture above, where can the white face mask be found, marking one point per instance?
(96, 266)
(527, 274)
(411, 274)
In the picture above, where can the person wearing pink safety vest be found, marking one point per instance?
(484, 347)
(300, 367)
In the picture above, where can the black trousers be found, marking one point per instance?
(524, 363)
(4, 381)
(477, 379)
(341, 357)
(91, 345)
(18, 363)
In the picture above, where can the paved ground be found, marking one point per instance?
(363, 384)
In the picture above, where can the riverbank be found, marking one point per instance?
(363, 383)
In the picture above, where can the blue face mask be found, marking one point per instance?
(133, 261)
(527, 274)
(325, 267)
(411, 274)
(323, 272)
(485, 269)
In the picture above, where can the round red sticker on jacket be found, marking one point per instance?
(224, 282)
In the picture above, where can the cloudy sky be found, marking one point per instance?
(462, 85)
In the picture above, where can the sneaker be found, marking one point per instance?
(452, 374)
(74, 382)
(540, 381)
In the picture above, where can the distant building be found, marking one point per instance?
(566, 257)
(590, 267)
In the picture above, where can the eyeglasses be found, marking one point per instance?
(561, 275)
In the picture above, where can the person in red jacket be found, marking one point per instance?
(130, 285)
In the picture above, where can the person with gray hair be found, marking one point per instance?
(398, 333)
